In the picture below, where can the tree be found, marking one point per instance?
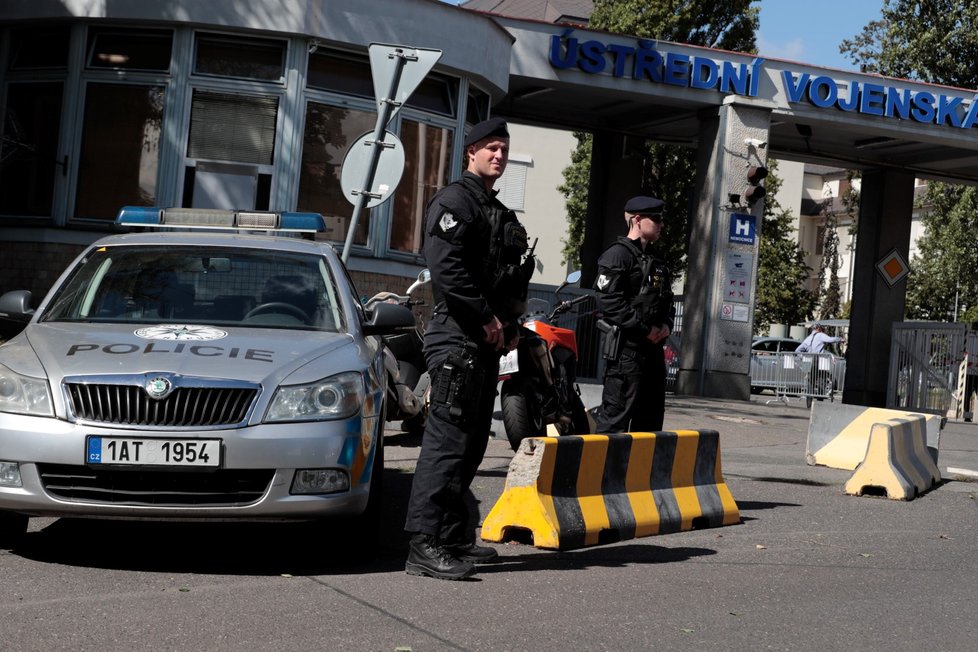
(934, 41)
(941, 278)
(781, 297)
(668, 171)
(828, 293)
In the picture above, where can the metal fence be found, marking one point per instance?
(926, 364)
(806, 375)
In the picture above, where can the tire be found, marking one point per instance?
(13, 527)
(521, 414)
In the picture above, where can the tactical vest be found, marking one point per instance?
(652, 275)
(506, 274)
(497, 266)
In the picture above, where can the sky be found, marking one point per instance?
(810, 32)
(790, 30)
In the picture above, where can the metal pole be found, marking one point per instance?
(383, 117)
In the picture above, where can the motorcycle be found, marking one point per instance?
(539, 377)
(408, 382)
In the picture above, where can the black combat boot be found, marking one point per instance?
(426, 557)
(471, 552)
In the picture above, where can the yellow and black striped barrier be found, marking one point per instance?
(896, 461)
(576, 491)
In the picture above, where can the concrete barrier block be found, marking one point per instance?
(838, 433)
(896, 461)
(573, 492)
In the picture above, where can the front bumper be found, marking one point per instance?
(253, 482)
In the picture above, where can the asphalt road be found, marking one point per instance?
(808, 568)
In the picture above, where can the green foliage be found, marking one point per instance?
(943, 269)
(928, 40)
(577, 176)
(781, 297)
(668, 171)
(933, 41)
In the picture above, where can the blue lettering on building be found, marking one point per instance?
(879, 99)
(645, 62)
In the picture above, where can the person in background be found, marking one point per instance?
(634, 296)
(817, 340)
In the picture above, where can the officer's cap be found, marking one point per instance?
(644, 206)
(493, 127)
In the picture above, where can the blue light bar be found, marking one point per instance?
(313, 222)
(209, 218)
(140, 216)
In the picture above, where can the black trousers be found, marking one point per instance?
(452, 448)
(634, 396)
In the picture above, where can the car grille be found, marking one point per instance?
(158, 488)
(185, 406)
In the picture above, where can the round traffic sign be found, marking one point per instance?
(356, 166)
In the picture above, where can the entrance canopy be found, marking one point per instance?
(594, 81)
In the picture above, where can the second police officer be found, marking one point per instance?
(475, 249)
(634, 295)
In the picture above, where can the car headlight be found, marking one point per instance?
(24, 394)
(336, 397)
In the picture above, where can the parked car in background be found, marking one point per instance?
(219, 371)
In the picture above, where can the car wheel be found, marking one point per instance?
(13, 527)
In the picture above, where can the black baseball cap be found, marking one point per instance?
(644, 206)
(493, 127)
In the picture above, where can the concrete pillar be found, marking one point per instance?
(614, 178)
(716, 329)
(885, 215)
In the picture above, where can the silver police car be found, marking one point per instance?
(218, 366)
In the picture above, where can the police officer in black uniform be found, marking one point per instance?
(476, 250)
(634, 295)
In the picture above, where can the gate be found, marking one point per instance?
(925, 361)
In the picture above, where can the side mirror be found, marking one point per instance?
(424, 276)
(571, 279)
(388, 318)
(16, 306)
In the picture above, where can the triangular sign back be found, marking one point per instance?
(384, 60)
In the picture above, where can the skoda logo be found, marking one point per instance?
(159, 388)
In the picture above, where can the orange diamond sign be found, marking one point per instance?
(893, 267)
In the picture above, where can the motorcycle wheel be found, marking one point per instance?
(579, 415)
(521, 414)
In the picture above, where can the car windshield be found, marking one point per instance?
(200, 285)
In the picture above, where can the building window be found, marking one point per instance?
(512, 185)
(329, 132)
(427, 164)
(435, 95)
(477, 107)
(129, 49)
(340, 74)
(819, 240)
(42, 48)
(225, 56)
(29, 148)
(232, 127)
(120, 148)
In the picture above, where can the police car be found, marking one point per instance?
(217, 366)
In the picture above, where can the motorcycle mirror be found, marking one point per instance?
(424, 276)
(572, 278)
